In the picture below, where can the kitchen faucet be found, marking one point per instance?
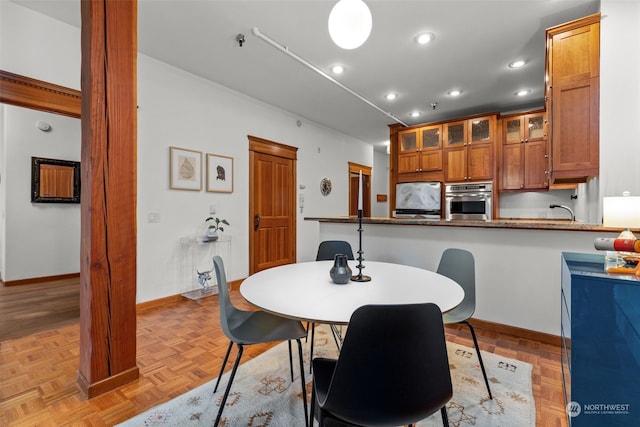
(573, 216)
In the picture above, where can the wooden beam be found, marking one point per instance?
(26, 92)
(108, 208)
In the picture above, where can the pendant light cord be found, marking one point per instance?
(284, 49)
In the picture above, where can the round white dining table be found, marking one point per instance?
(305, 291)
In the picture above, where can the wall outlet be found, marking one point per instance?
(153, 217)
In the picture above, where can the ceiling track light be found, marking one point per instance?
(284, 49)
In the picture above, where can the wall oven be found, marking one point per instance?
(469, 201)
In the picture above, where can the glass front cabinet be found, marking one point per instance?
(469, 149)
(525, 152)
(420, 153)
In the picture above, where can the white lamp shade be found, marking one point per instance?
(350, 23)
(621, 212)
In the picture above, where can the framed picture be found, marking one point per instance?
(185, 169)
(54, 181)
(219, 173)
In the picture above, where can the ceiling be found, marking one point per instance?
(475, 40)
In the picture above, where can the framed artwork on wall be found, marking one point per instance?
(54, 181)
(219, 173)
(185, 169)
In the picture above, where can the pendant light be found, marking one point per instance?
(350, 23)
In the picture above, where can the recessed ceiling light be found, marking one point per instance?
(424, 38)
(415, 114)
(337, 69)
(391, 96)
(523, 92)
(517, 64)
(454, 92)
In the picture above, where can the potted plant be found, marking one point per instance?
(214, 227)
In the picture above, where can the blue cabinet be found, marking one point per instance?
(600, 343)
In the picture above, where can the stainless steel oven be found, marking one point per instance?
(469, 201)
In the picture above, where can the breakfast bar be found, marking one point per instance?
(518, 262)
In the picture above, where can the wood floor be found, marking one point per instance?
(180, 346)
(27, 309)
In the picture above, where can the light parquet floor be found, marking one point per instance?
(181, 346)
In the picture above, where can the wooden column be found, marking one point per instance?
(108, 198)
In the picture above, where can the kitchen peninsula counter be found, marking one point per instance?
(518, 261)
(532, 224)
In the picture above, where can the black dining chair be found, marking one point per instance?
(459, 265)
(327, 250)
(393, 369)
(253, 327)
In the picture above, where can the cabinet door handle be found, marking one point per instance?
(256, 222)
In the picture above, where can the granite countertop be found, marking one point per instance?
(534, 224)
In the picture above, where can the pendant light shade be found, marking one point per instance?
(350, 23)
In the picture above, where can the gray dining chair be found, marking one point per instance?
(253, 327)
(459, 265)
(393, 369)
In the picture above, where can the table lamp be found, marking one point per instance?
(622, 212)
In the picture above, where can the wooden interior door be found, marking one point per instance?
(272, 204)
(354, 183)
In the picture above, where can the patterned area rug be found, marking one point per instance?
(263, 394)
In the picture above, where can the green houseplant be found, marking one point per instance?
(215, 225)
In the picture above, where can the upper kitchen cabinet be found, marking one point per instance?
(469, 149)
(525, 156)
(573, 80)
(420, 154)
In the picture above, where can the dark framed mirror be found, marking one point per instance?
(54, 181)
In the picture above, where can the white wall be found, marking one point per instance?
(380, 184)
(3, 192)
(42, 239)
(37, 239)
(39, 47)
(619, 98)
(179, 109)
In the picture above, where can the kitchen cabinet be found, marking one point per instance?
(469, 147)
(572, 97)
(525, 156)
(420, 154)
(600, 343)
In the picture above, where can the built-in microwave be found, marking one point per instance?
(418, 199)
(469, 201)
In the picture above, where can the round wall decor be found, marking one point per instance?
(325, 186)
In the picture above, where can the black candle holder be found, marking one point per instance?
(360, 277)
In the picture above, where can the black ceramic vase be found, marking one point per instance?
(340, 272)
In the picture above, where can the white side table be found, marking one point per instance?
(197, 275)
